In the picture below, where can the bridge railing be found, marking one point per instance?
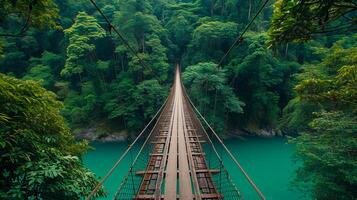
(140, 148)
(130, 185)
(216, 155)
(221, 177)
(222, 181)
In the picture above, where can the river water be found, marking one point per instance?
(268, 161)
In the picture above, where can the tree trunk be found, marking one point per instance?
(122, 63)
(143, 43)
(80, 78)
(249, 9)
(115, 71)
(300, 54)
(212, 7)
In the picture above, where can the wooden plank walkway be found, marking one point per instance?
(177, 168)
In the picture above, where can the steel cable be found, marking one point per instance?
(110, 172)
(126, 43)
(261, 195)
(240, 38)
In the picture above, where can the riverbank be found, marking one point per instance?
(97, 134)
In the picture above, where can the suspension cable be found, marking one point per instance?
(126, 43)
(138, 154)
(110, 172)
(261, 195)
(142, 148)
(237, 41)
(219, 156)
(240, 38)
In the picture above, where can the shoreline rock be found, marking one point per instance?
(92, 135)
(112, 138)
(259, 133)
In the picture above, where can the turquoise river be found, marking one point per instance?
(268, 161)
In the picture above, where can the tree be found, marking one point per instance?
(83, 69)
(301, 20)
(261, 79)
(80, 51)
(81, 107)
(131, 104)
(39, 13)
(211, 40)
(137, 21)
(209, 90)
(181, 27)
(39, 156)
(328, 149)
(328, 156)
(41, 73)
(145, 34)
(296, 116)
(14, 62)
(45, 69)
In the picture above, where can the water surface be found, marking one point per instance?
(267, 160)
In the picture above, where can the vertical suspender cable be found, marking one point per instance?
(110, 172)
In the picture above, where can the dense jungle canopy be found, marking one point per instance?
(64, 71)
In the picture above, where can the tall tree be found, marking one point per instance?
(40, 159)
(83, 69)
(181, 27)
(208, 88)
(261, 79)
(81, 49)
(328, 148)
(210, 40)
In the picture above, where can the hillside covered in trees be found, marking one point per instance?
(64, 71)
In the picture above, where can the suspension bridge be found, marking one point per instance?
(176, 157)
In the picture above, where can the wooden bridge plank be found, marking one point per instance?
(180, 147)
(171, 168)
(184, 171)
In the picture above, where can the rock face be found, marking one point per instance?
(269, 133)
(112, 138)
(88, 134)
(257, 132)
(92, 134)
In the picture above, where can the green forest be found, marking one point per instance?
(66, 73)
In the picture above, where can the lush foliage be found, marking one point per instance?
(206, 80)
(26, 14)
(261, 79)
(102, 83)
(328, 146)
(324, 109)
(297, 88)
(39, 156)
(301, 20)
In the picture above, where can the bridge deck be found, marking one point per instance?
(177, 167)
